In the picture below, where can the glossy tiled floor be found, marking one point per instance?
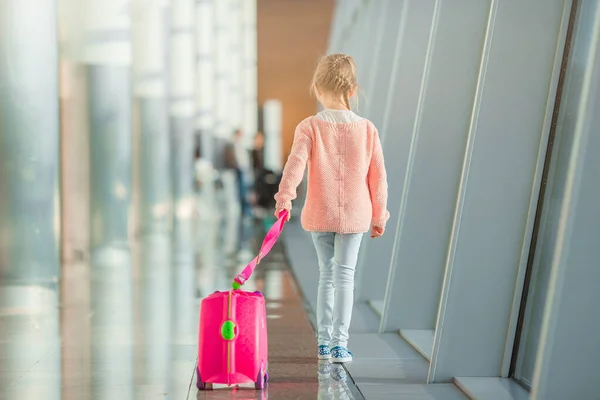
(124, 325)
(385, 366)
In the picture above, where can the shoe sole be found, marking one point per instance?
(324, 357)
(341, 360)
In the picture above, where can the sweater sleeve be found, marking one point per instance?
(293, 173)
(378, 187)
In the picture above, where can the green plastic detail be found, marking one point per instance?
(235, 285)
(228, 330)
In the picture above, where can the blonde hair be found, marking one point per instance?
(335, 74)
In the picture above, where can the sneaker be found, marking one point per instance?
(341, 355)
(324, 353)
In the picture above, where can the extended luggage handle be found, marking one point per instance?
(268, 243)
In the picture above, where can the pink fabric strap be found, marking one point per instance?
(267, 245)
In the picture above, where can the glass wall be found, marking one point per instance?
(572, 108)
(489, 126)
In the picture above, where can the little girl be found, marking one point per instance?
(346, 197)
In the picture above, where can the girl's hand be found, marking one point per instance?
(377, 231)
(278, 211)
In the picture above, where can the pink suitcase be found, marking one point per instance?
(232, 339)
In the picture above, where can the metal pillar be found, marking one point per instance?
(74, 137)
(205, 74)
(226, 115)
(205, 119)
(223, 127)
(107, 54)
(74, 340)
(235, 48)
(249, 65)
(182, 113)
(151, 124)
(29, 132)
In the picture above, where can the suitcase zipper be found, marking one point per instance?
(229, 342)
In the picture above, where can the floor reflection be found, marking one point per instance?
(333, 382)
(125, 324)
(112, 328)
(154, 307)
(29, 342)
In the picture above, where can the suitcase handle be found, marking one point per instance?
(268, 243)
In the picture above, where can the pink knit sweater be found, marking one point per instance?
(347, 184)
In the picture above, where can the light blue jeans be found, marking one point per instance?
(338, 255)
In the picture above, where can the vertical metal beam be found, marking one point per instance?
(151, 124)
(205, 114)
(501, 157)
(227, 114)
(534, 286)
(107, 54)
(29, 137)
(223, 127)
(205, 78)
(182, 112)
(568, 351)
(74, 137)
(249, 64)
(111, 149)
(235, 50)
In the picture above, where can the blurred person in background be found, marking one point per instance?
(266, 183)
(237, 158)
(258, 153)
